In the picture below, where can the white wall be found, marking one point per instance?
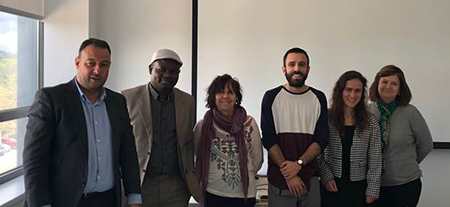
(66, 25)
(35, 7)
(248, 39)
(135, 30)
(435, 185)
(93, 18)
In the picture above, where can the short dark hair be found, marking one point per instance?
(95, 42)
(404, 96)
(295, 50)
(336, 112)
(218, 85)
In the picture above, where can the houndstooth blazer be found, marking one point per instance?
(365, 157)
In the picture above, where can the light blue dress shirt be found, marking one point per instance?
(100, 155)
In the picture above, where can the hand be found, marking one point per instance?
(296, 186)
(331, 186)
(370, 199)
(289, 169)
(134, 205)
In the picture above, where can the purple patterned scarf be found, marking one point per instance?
(236, 130)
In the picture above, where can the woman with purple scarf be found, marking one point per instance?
(228, 146)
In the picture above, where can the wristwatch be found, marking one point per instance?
(300, 162)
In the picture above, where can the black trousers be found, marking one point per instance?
(103, 199)
(212, 200)
(350, 194)
(404, 195)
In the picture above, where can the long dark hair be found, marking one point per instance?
(336, 113)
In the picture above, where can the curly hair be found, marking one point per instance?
(336, 112)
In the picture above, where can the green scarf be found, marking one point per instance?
(386, 111)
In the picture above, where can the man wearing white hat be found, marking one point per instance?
(163, 120)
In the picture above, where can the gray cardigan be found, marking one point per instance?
(409, 143)
(365, 157)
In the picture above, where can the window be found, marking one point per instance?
(19, 80)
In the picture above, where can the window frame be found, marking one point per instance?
(22, 112)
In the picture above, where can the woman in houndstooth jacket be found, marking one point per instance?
(350, 166)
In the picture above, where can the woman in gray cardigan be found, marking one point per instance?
(405, 136)
(350, 166)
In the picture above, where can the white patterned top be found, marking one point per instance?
(224, 174)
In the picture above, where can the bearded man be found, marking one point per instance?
(294, 123)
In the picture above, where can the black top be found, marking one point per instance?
(347, 141)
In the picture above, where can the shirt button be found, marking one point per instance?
(98, 177)
(100, 158)
(98, 140)
(96, 122)
(148, 153)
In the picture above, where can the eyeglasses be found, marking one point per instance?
(168, 71)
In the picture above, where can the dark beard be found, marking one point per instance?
(296, 84)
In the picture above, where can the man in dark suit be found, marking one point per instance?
(79, 144)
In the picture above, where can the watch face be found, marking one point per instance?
(300, 162)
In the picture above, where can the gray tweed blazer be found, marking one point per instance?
(365, 157)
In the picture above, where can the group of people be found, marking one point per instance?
(88, 146)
